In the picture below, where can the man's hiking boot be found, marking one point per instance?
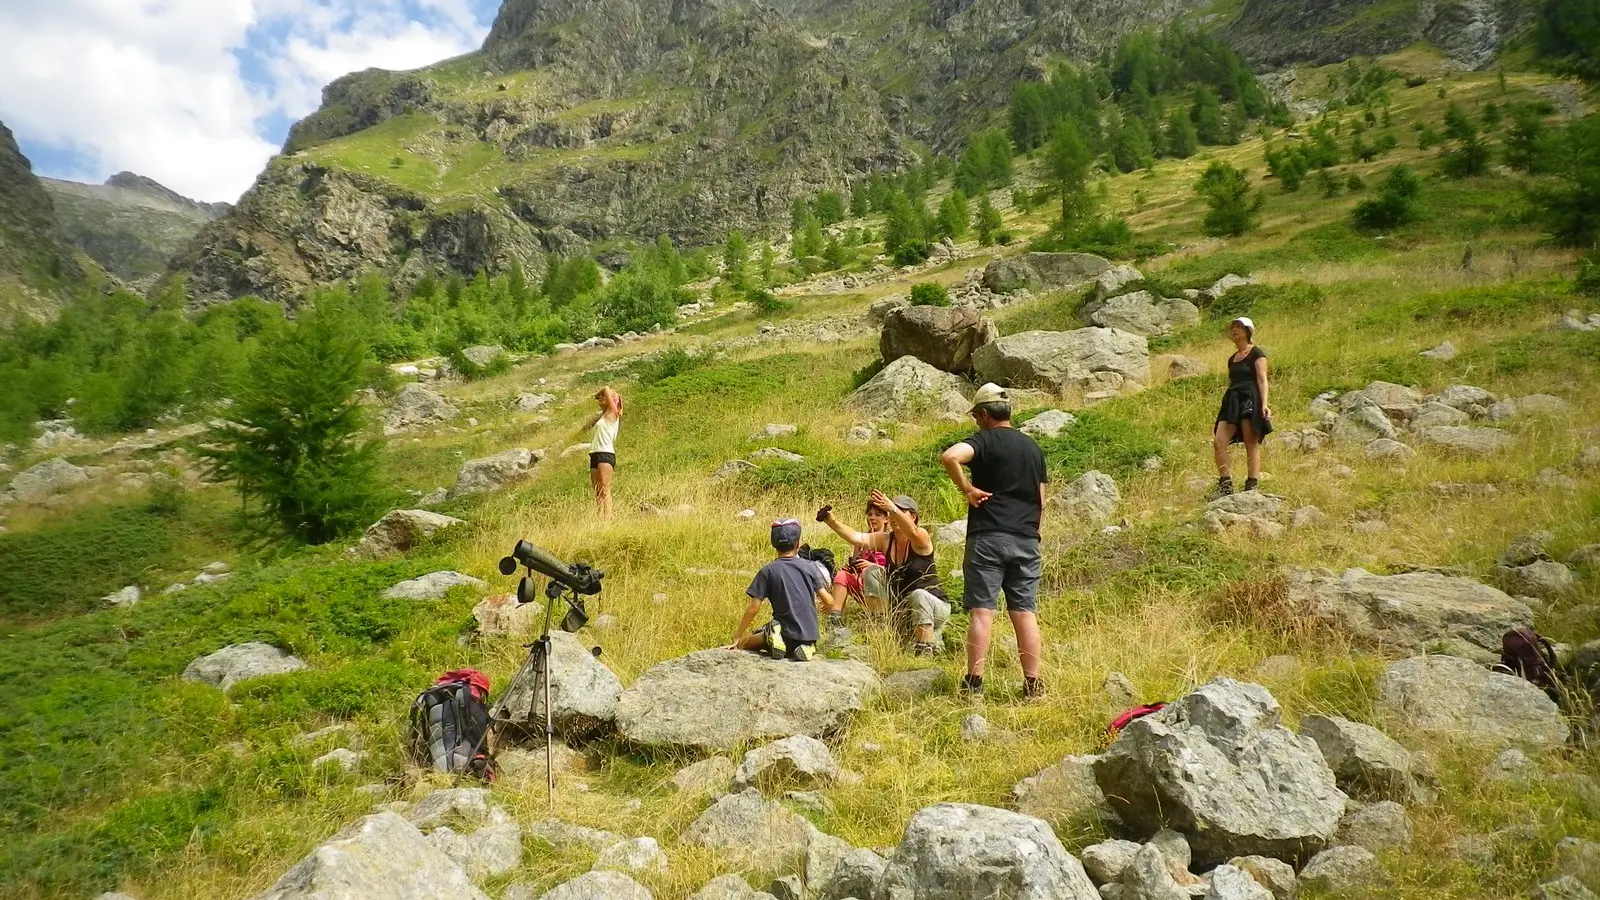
(1224, 487)
(972, 685)
(1250, 484)
(1032, 688)
(923, 648)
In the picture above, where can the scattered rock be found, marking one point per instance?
(1465, 439)
(1578, 858)
(1088, 359)
(729, 887)
(401, 530)
(381, 856)
(797, 761)
(1435, 414)
(1445, 352)
(956, 850)
(858, 435)
(1148, 877)
(1362, 425)
(953, 533)
(128, 596)
(1543, 579)
(497, 472)
(745, 514)
(1275, 875)
(599, 886)
(1366, 762)
(525, 768)
(909, 386)
(773, 431)
(467, 806)
(731, 469)
(974, 728)
(1585, 557)
(432, 586)
(501, 615)
(1223, 285)
(776, 453)
(712, 776)
(1341, 871)
(1531, 405)
(1231, 883)
(346, 760)
(753, 830)
(1380, 827)
(1143, 313)
(53, 476)
(1386, 450)
(1181, 367)
(813, 802)
(1564, 888)
(1465, 396)
(913, 684)
(492, 850)
(1110, 283)
(1413, 612)
(1048, 424)
(1119, 690)
(241, 662)
(942, 337)
(532, 402)
(1105, 862)
(1511, 765)
(584, 693)
(1308, 517)
(1251, 510)
(562, 836)
(1217, 766)
(1035, 271)
(719, 699)
(1091, 499)
(416, 406)
(1454, 699)
(640, 854)
(856, 875)
(483, 355)
(1064, 792)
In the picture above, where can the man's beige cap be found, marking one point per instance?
(990, 393)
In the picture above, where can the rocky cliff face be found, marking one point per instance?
(131, 225)
(1274, 33)
(37, 264)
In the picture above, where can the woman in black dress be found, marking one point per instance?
(1245, 416)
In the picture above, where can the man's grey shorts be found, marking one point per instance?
(996, 561)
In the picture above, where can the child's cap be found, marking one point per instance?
(785, 535)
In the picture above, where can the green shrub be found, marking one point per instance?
(912, 252)
(1588, 278)
(767, 303)
(1260, 299)
(668, 363)
(471, 371)
(1395, 204)
(930, 293)
(1233, 206)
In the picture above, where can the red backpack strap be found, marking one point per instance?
(1138, 712)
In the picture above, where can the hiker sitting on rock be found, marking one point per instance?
(862, 576)
(795, 587)
(915, 598)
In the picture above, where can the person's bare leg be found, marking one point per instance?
(751, 642)
(922, 634)
(602, 490)
(979, 624)
(839, 596)
(1252, 449)
(1221, 437)
(1026, 625)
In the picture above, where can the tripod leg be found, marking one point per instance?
(549, 728)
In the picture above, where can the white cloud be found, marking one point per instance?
(186, 91)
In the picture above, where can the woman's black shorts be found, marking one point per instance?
(595, 459)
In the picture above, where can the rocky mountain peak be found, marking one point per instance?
(155, 190)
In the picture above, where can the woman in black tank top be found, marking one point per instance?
(915, 597)
(1245, 416)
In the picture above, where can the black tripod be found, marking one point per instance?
(528, 696)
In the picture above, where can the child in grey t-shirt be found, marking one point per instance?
(793, 586)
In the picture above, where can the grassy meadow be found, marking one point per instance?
(114, 774)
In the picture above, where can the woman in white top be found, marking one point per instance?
(603, 447)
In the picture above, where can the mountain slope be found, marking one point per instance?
(131, 225)
(37, 263)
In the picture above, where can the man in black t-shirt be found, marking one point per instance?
(1005, 500)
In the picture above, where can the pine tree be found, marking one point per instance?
(1030, 115)
(1470, 156)
(828, 207)
(954, 215)
(1207, 115)
(1130, 146)
(735, 261)
(1181, 139)
(1233, 206)
(1526, 142)
(1067, 163)
(989, 221)
(294, 449)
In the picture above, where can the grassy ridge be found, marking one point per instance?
(120, 775)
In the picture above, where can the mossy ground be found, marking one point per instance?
(119, 775)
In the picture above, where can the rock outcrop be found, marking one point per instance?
(956, 850)
(241, 662)
(942, 337)
(493, 473)
(1042, 271)
(584, 693)
(1087, 360)
(382, 856)
(908, 388)
(401, 530)
(719, 699)
(1455, 700)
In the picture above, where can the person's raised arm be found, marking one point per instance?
(1261, 386)
(953, 459)
(854, 537)
(745, 621)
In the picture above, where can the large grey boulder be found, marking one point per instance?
(399, 531)
(1051, 423)
(1111, 282)
(584, 693)
(432, 586)
(942, 337)
(640, 854)
(483, 355)
(465, 806)
(1531, 405)
(1063, 792)
(909, 387)
(1047, 271)
(1362, 424)
(729, 887)
(856, 875)
(797, 761)
(1564, 888)
(1367, 763)
(1259, 513)
(1433, 414)
(1379, 827)
(750, 829)
(721, 699)
(1091, 498)
(1144, 313)
(1456, 700)
(415, 406)
(1232, 883)
(1464, 439)
(563, 836)
(600, 886)
(712, 776)
(1218, 767)
(1396, 400)
(1412, 612)
(241, 662)
(492, 850)
(1465, 396)
(1542, 578)
(381, 856)
(1104, 862)
(1087, 359)
(959, 851)
(1341, 871)
(1148, 876)
(49, 477)
(493, 473)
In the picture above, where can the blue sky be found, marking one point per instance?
(198, 94)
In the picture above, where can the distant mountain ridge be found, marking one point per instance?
(131, 225)
(38, 267)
